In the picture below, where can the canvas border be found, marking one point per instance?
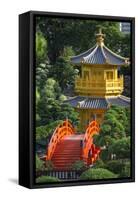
(31, 63)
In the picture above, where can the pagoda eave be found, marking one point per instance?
(98, 65)
(83, 102)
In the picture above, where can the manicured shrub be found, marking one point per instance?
(115, 166)
(109, 115)
(99, 164)
(78, 165)
(46, 179)
(104, 155)
(112, 112)
(99, 173)
(126, 172)
(121, 148)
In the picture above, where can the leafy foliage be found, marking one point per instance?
(113, 137)
(64, 73)
(61, 33)
(128, 125)
(49, 165)
(120, 167)
(49, 101)
(99, 173)
(46, 179)
(126, 172)
(121, 148)
(41, 47)
(99, 164)
(113, 126)
(78, 165)
(39, 164)
(42, 74)
(115, 166)
(67, 111)
(42, 132)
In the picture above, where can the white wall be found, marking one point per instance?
(9, 11)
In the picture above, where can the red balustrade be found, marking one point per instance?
(89, 151)
(66, 146)
(62, 130)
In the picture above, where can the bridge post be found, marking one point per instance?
(92, 129)
(67, 125)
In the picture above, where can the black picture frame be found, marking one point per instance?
(27, 98)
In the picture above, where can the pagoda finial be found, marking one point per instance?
(100, 37)
(100, 30)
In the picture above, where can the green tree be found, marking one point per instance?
(49, 99)
(113, 133)
(42, 132)
(41, 48)
(121, 148)
(42, 61)
(101, 141)
(64, 73)
(69, 32)
(51, 107)
(67, 111)
(128, 123)
(42, 74)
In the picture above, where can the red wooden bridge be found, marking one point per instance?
(66, 146)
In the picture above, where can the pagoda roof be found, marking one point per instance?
(99, 54)
(97, 102)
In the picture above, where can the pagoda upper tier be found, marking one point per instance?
(99, 54)
(99, 71)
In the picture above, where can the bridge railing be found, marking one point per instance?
(88, 146)
(62, 130)
(61, 174)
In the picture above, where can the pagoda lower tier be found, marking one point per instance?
(95, 107)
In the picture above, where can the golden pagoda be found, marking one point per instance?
(99, 84)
